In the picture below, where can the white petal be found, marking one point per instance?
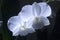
(14, 19)
(31, 30)
(43, 22)
(26, 12)
(16, 30)
(23, 33)
(29, 26)
(26, 32)
(36, 9)
(45, 9)
(14, 24)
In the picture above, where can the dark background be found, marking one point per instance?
(12, 7)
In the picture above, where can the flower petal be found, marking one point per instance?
(16, 30)
(45, 9)
(43, 22)
(29, 26)
(14, 24)
(23, 33)
(31, 30)
(26, 32)
(14, 19)
(26, 12)
(36, 9)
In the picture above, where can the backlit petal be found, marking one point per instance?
(16, 30)
(23, 33)
(42, 23)
(26, 32)
(45, 21)
(36, 9)
(45, 9)
(31, 30)
(26, 12)
(14, 24)
(14, 19)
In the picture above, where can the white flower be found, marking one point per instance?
(19, 27)
(37, 13)
(31, 17)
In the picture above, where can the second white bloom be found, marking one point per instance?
(37, 13)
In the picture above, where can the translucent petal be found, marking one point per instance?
(23, 33)
(16, 30)
(42, 23)
(31, 30)
(29, 23)
(26, 32)
(45, 9)
(26, 12)
(45, 21)
(29, 26)
(36, 9)
(14, 24)
(14, 19)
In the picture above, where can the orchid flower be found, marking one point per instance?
(37, 13)
(19, 27)
(31, 17)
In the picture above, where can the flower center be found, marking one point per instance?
(23, 27)
(37, 19)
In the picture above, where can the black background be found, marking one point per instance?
(12, 7)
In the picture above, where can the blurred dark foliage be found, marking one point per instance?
(56, 31)
(12, 7)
